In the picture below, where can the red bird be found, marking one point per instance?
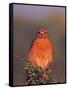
(41, 51)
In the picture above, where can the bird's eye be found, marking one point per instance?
(39, 32)
(45, 32)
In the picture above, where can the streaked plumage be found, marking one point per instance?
(41, 51)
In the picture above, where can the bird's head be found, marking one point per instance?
(42, 32)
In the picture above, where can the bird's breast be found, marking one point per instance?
(41, 52)
(42, 44)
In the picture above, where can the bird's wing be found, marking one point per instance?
(31, 45)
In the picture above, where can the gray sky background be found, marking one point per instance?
(34, 12)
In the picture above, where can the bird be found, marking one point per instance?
(41, 52)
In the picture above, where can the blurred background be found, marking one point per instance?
(27, 20)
